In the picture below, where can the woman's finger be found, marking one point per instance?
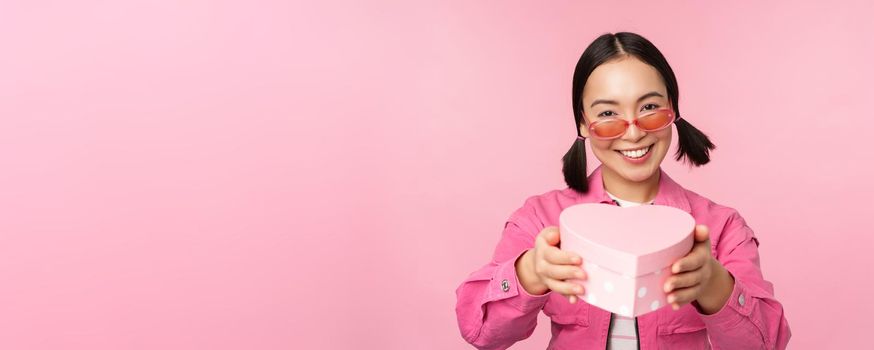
(682, 296)
(683, 280)
(557, 256)
(563, 272)
(566, 288)
(690, 262)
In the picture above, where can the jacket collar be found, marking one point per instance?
(670, 193)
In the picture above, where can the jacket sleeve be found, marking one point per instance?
(752, 318)
(494, 311)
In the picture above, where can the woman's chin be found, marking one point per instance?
(636, 176)
(636, 173)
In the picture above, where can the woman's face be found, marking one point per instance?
(626, 88)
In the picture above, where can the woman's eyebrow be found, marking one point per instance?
(641, 98)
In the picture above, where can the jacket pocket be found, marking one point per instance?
(681, 329)
(562, 312)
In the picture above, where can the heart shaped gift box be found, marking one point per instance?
(627, 252)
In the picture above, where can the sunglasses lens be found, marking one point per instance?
(610, 128)
(655, 121)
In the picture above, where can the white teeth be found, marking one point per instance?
(636, 153)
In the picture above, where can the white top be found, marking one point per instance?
(623, 330)
(625, 203)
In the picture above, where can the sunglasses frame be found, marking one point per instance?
(594, 135)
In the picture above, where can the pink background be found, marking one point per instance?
(266, 175)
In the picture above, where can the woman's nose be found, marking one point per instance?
(633, 133)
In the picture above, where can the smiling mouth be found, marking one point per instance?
(636, 153)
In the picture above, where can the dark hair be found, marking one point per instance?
(693, 145)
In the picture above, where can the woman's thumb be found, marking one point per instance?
(551, 235)
(702, 233)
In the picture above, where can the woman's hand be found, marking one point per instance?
(699, 277)
(546, 267)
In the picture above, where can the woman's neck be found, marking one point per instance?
(641, 192)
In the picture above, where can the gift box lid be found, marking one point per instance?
(631, 241)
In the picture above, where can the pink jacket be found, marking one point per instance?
(494, 311)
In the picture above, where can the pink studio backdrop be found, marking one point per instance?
(274, 175)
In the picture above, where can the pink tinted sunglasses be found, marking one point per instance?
(650, 121)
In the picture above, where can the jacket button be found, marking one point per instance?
(505, 285)
(741, 300)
